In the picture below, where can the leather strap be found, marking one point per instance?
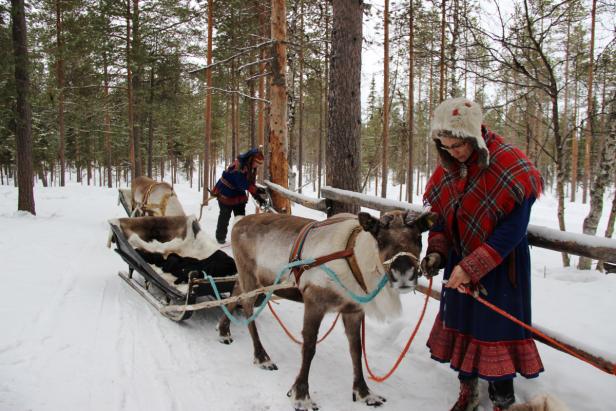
(352, 261)
(347, 253)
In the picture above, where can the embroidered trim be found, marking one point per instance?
(480, 262)
(485, 359)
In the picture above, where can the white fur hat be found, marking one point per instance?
(462, 118)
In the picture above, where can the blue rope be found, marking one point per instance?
(361, 299)
(268, 295)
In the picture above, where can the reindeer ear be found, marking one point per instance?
(423, 222)
(368, 223)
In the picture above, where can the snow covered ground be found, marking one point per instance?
(76, 337)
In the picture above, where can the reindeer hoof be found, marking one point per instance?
(266, 365)
(305, 404)
(225, 339)
(371, 400)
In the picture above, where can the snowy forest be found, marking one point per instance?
(114, 89)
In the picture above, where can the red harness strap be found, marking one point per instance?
(347, 253)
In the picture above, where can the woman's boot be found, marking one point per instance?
(501, 393)
(468, 399)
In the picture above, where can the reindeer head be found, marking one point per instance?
(398, 238)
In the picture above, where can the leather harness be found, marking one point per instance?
(348, 253)
(145, 206)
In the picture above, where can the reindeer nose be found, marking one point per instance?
(402, 263)
(404, 273)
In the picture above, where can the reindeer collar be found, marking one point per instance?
(347, 253)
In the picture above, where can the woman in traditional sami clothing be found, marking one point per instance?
(483, 191)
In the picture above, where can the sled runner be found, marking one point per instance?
(154, 246)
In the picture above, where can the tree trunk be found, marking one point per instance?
(278, 138)
(455, 34)
(234, 113)
(107, 121)
(137, 89)
(208, 105)
(441, 90)
(601, 181)
(574, 141)
(565, 115)
(129, 95)
(385, 146)
(344, 117)
(60, 78)
(590, 110)
(324, 100)
(261, 87)
(300, 138)
(150, 144)
(411, 104)
(23, 118)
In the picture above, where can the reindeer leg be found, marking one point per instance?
(261, 358)
(352, 324)
(299, 393)
(224, 332)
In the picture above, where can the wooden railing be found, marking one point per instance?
(598, 248)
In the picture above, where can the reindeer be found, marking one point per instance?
(153, 198)
(364, 247)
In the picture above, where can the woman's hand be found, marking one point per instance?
(458, 278)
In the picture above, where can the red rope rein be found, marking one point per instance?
(535, 331)
(406, 347)
(291, 336)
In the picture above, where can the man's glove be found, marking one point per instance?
(261, 191)
(261, 196)
(431, 264)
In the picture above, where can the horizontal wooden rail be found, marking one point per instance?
(319, 204)
(596, 248)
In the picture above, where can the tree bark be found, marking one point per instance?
(385, 142)
(150, 144)
(278, 138)
(60, 78)
(441, 90)
(23, 118)
(601, 181)
(208, 105)
(261, 86)
(344, 117)
(324, 100)
(129, 94)
(107, 121)
(590, 110)
(137, 88)
(411, 104)
(300, 138)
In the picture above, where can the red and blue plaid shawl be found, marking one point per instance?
(482, 196)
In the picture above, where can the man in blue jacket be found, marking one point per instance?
(231, 189)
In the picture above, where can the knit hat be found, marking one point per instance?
(459, 118)
(254, 154)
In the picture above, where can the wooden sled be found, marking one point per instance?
(156, 287)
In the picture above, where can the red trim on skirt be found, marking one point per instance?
(488, 360)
